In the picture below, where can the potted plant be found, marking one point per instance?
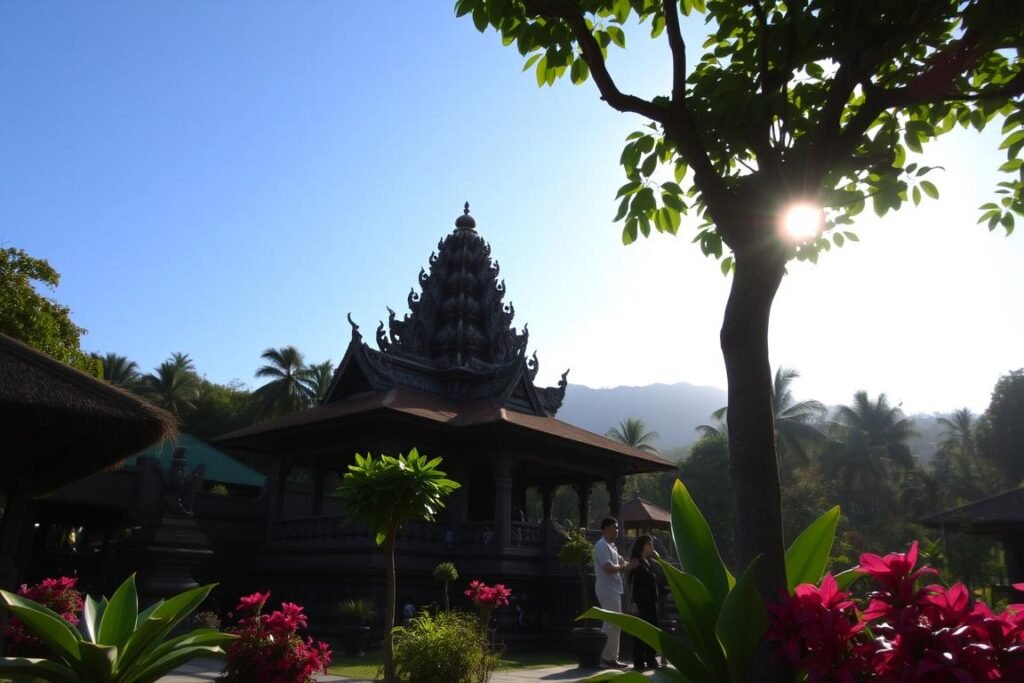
(588, 639)
(357, 616)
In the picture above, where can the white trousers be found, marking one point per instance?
(611, 601)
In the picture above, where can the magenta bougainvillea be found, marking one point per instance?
(488, 597)
(910, 631)
(60, 596)
(269, 648)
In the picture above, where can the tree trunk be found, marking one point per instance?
(389, 614)
(753, 468)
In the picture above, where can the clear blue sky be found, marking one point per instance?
(218, 178)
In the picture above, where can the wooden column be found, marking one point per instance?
(614, 486)
(502, 468)
(583, 490)
(319, 477)
(547, 498)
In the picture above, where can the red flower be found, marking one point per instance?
(269, 649)
(933, 634)
(60, 596)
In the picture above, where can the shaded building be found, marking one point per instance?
(1000, 517)
(454, 378)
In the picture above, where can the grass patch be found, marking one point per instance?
(368, 667)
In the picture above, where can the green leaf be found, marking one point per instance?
(807, 557)
(99, 660)
(629, 233)
(480, 17)
(839, 239)
(698, 553)
(57, 634)
(916, 196)
(92, 610)
(680, 656)
(531, 61)
(154, 671)
(846, 579)
(698, 614)
(542, 71)
(742, 623)
(119, 618)
(617, 36)
(929, 189)
(27, 670)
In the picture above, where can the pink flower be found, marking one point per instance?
(253, 602)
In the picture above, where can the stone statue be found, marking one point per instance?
(178, 486)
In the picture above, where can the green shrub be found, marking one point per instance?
(448, 647)
(357, 612)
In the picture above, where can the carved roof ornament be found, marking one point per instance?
(458, 319)
(457, 339)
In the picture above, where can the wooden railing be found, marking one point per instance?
(338, 530)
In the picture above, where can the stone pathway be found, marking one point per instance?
(207, 670)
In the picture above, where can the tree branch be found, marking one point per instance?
(573, 16)
(675, 41)
(931, 86)
(677, 123)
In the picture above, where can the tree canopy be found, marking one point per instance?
(808, 105)
(35, 319)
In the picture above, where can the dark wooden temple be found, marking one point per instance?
(454, 378)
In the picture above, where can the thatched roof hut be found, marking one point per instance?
(58, 425)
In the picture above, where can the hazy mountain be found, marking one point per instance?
(672, 410)
(675, 410)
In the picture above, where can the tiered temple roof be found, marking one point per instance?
(456, 342)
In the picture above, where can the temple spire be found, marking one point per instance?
(465, 221)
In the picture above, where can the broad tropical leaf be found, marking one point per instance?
(699, 615)
(698, 552)
(808, 555)
(742, 623)
(680, 656)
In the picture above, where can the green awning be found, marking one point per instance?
(220, 467)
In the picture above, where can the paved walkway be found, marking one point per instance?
(206, 670)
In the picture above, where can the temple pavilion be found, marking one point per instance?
(454, 378)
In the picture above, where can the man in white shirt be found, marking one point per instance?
(608, 570)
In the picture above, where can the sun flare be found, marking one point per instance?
(802, 222)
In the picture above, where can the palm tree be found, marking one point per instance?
(632, 432)
(287, 391)
(795, 422)
(795, 429)
(959, 430)
(183, 362)
(719, 428)
(173, 387)
(318, 379)
(118, 370)
(870, 450)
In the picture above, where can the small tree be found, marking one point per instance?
(385, 493)
(445, 573)
(577, 553)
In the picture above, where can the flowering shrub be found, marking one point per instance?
(269, 649)
(487, 598)
(58, 595)
(906, 632)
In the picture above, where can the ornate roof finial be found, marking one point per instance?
(465, 221)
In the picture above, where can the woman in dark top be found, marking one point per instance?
(643, 591)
